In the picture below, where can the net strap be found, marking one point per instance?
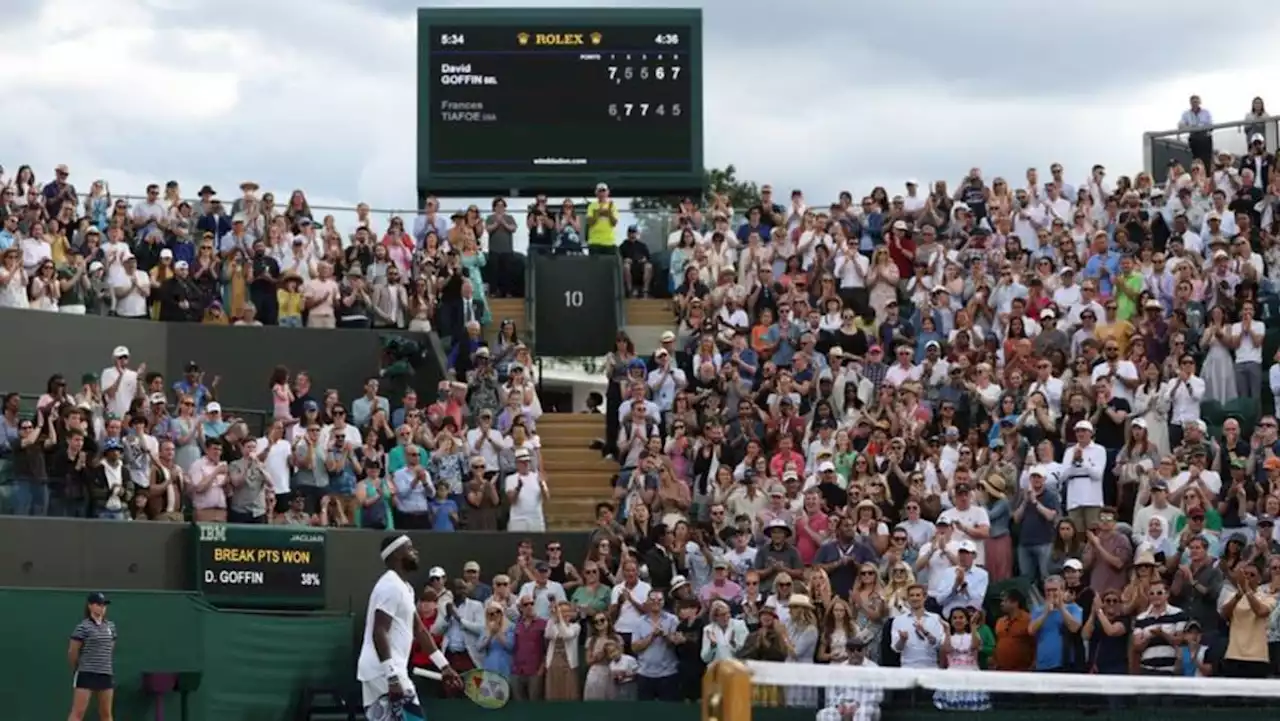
(892, 679)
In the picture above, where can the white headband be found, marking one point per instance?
(394, 546)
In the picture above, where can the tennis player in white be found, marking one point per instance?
(390, 626)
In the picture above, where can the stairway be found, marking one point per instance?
(650, 312)
(577, 477)
(501, 309)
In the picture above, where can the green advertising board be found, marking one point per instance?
(252, 566)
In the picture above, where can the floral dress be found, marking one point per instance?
(963, 656)
(599, 685)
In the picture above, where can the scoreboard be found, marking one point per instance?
(556, 100)
(252, 566)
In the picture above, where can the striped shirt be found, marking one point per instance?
(97, 646)
(1159, 655)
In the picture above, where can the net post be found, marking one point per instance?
(726, 692)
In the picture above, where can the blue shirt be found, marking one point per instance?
(362, 409)
(344, 481)
(7, 240)
(786, 343)
(411, 498)
(1049, 641)
(1093, 269)
(440, 510)
(481, 591)
(497, 651)
(749, 357)
(1035, 529)
(658, 659)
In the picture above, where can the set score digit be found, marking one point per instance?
(620, 74)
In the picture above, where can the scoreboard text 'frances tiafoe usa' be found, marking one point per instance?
(248, 566)
(557, 100)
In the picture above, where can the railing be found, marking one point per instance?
(655, 225)
(1160, 147)
(256, 420)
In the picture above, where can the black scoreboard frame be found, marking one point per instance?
(571, 180)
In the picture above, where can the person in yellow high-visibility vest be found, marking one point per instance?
(602, 222)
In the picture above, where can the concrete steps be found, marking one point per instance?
(503, 308)
(650, 312)
(577, 477)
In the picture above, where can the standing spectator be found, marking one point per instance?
(1157, 632)
(562, 654)
(1248, 611)
(1198, 122)
(497, 642)
(1054, 623)
(918, 634)
(1015, 648)
(528, 664)
(526, 492)
(654, 638)
(602, 219)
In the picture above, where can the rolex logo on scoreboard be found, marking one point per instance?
(523, 38)
(596, 38)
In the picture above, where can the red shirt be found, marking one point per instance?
(781, 459)
(419, 658)
(819, 523)
(898, 253)
(528, 655)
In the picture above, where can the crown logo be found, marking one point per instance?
(596, 38)
(523, 38)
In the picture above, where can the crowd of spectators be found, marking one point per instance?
(248, 259)
(1017, 424)
(132, 444)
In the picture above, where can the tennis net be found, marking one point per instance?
(763, 691)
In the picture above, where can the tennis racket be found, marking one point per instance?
(486, 689)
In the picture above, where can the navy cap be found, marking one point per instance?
(542, 567)
(633, 228)
(98, 597)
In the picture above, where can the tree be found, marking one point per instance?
(742, 193)
(656, 214)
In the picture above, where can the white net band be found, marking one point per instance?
(897, 679)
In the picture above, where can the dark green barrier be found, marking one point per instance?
(244, 357)
(108, 555)
(575, 305)
(254, 665)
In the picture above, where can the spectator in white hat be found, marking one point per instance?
(526, 492)
(132, 290)
(120, 383)
(1083, 466)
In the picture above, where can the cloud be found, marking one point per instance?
(320, 94)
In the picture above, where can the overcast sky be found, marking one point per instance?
(818, 94)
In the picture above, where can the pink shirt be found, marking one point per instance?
(323, 290)
(729, 591)
(213, 497)
(806, 546)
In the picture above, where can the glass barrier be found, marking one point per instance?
(654, 225)
(1162, 148)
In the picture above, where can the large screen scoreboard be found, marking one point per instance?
(556, 100)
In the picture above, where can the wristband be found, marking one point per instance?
(390, 670)
(439, 660)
